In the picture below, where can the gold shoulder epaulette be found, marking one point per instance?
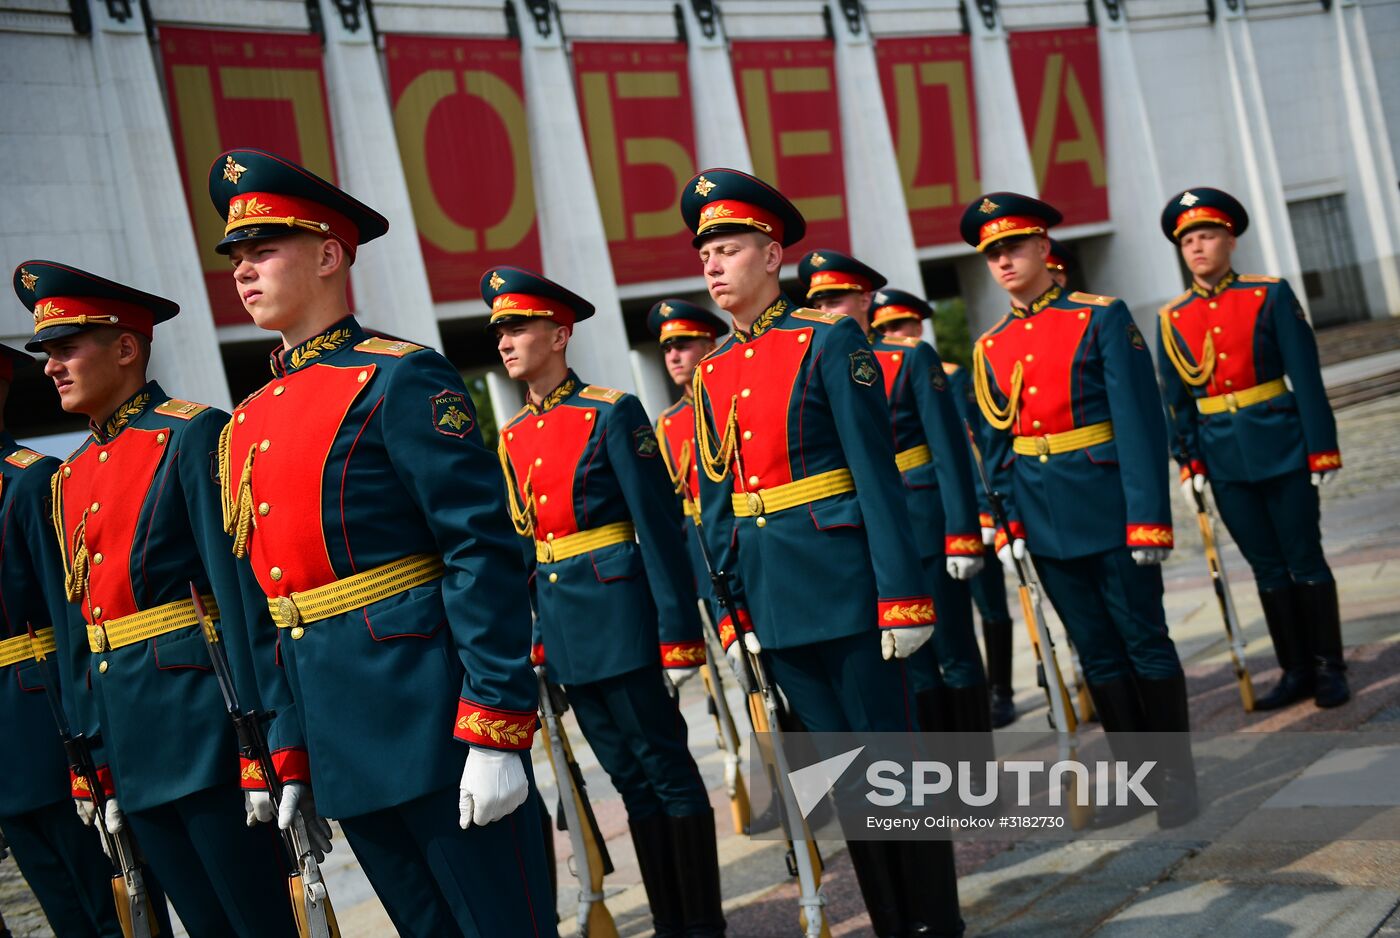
(185, 410)
(23, 458)
(951, 368)
(1175, 301)
(907, 341)
(1093, 299)
(398, 348)
(1256, 278)
(816, 315)
(595, 392)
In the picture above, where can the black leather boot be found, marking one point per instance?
(1168, 717)
(1289, 633)
(933, 709)
(697, 865)
(877, 873)
(651, 836)
(972, 721)
(929, 888)
(996, 636)
(1317, 605)
(1120, 712)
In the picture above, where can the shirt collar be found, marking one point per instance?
(554, 398)
(285, 361)
(1218, 289)
(126, 413)
(765, 320)
(1042, 301)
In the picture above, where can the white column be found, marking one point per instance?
(719, 122)
(881, 235)
(390, 278)
(1139, 265)
(654, 385)
(507, 396)
(1269, 225)
(572, 240)
(1370, 149)
(158, 251)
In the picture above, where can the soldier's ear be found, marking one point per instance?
(331, 257)
(773, 259)
(560, 340)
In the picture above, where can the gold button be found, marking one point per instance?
(278, 392)
(510, 435)
(894, 357)
(1229, 383)
(97, 558)
(1029, 327)
(1175, 315)
(264, 445)
(1044, 458)
(275, 573)
(802, 338)
(102, 668)
(539, 460)
(539, 424)
(543, 499)
(760, 521)
(1030, 357)
(264, 508)
(297, 632)
(1223, 356)
(748, 434)
(67, 471)
(588, 416)
(709, 368)
(989, 343)
(242, 417)
(745, 393)
(1258, 292)
(362, 377)
(748, 353)
(1216, 330)
(1035, 424)
(668, 421)
(94, 507)
(1213, 304)
(1086, 315)
(102, 457)
(753, 480)
(554, 578)
(1031, 389)
(549, 536)
(97, 612)
(160, 437)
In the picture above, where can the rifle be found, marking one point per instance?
(134, 911)
(726, 732)
(1062, 716)
(1081, 686)
(576, 816)
(311, 903)
(764, 709)
(1234, 631)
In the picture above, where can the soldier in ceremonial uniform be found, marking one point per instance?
(136, 509)
(1060, 261)
(1266, 446)
(357, 485)
(60, 860)
(936, 472)
(613, 588)
(896, 313)
(1065, 382)
(798, 474)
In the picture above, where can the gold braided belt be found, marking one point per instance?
(354, 592)
(913, 457)
(21, 648)
(148, 623)
(791, 494)
(1234, 400)
(555, 549)
(1066, 442)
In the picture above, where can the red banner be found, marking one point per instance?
(229, 90)
(635, 99)
(787, 91)
(927, 83)
(459, 114)
(1061, 96)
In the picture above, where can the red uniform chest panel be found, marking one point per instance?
(290, 427)
(1046, 345)
(105, 496)
(1229, 319)
(761, 376)
(678, 427)
(545, 451)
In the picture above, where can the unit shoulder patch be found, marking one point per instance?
(594, 392)
(451, 415)
(938, 379)
(183, 410)
(644, 442)
(907, 341)
(864, 369)
(1135, 338)
(816, 315)
(1093, 299)
(398, 348)
(1256, 278)
(23, 458)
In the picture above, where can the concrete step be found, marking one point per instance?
(1366, 389)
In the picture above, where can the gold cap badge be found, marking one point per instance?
(1189, 199)
(665, 309)
(987, 207)
(496, 281)
(233, 170)
(28, 279)
(703, 186)
(818, 260)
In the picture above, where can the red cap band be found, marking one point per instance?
(1202, 215)
(248, 209)
(1008, 226)
(93, 311)
(506, 305)
(831, 280)
(731, 212)
(686, 328)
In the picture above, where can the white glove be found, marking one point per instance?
(258, 808)
(112, 817)
(678, 676)
(964, 568)
(1150, 556)
(736, 653)
(493, 785)
(1320, 479)
(989, 537)
(901, 643)
(1192, 484)
(298, 797)
(1011, 551)
(87, 810)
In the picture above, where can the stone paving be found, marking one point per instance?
(1127, 887)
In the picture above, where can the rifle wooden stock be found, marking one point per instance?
(727, 735)
(1221, 587)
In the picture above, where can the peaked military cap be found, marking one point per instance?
(678, 319)
(891, 305)
(1193, 208)
(262, 195)
(66, 300)
(725, 200)
(515, 293)
(10, 359)
(1060, 258)
(834, 272)
(999, 215)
